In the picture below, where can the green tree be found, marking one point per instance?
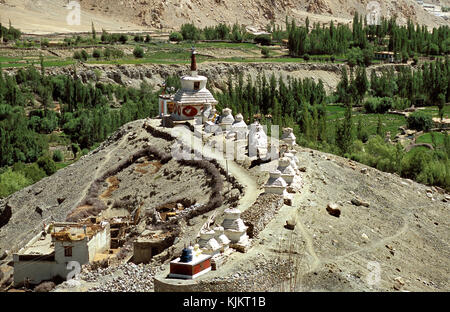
(84, 55)
(47, 164)
(265, 52)
(97, 53)
(379, 127)
(11, 182)
(138, 52)
(58, 156)
(344, 137)
(175, 36)
(94, 34)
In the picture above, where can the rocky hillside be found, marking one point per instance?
(169, 14)
(44, 16)
(400, 225)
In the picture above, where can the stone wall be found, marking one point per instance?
(261, 212)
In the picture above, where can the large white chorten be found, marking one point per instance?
(191, 99)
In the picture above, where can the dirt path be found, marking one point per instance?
(309, 245)
(251, 192)
(376, 244)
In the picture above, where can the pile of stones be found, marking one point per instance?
(127, 277)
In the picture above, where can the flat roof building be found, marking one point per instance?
(52, 253)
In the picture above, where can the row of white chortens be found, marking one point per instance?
(193, 101)
(286, 176)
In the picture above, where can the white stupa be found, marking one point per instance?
(294, 160)
(221, 238)
(227, 119)
(287, 172)
(190, 100)
(257, 141)
(208, 243)
(288, 137)
(276, 184)
(234, 227)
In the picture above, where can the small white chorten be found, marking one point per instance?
(287, 172)
(234, 227)
(208, 243)
(276, 184)
(289, 137)
(257, 140)
(227, 119)
(221, 238)
(190, 99)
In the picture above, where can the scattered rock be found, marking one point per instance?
(358, 202)
(290, 224)
(391, 249)
(398, 283)
(288, 201)
(302, 169)
(333, 210)
(364, 235)
(60, 200)
(364, 170)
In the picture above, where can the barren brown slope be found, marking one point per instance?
(48, 16)
(170, 14)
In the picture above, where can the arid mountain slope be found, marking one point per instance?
(47, 16)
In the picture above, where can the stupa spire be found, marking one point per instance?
(193, 61)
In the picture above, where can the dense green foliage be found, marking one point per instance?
(175, 36)
(419, 121)
(9, 34)
(84, 117)
(235, 33)
(138, 52)
(361, 40)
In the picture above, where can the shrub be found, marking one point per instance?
(47, 164)
(58, 156)
(265, 52)
(97, 53)
(11, 182)
(378, 105)
(45, 42)
(138, 52)
(77, 55)
(306, 57)
(84, 55)
(419, 121)
(123, 38)
(75, 149)
(176, 36)
(33, 172)
(190, 32)
(264, 40)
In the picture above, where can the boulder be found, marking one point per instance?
(333, 210)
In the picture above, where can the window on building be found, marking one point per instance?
(67, 251)
(196, 85)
